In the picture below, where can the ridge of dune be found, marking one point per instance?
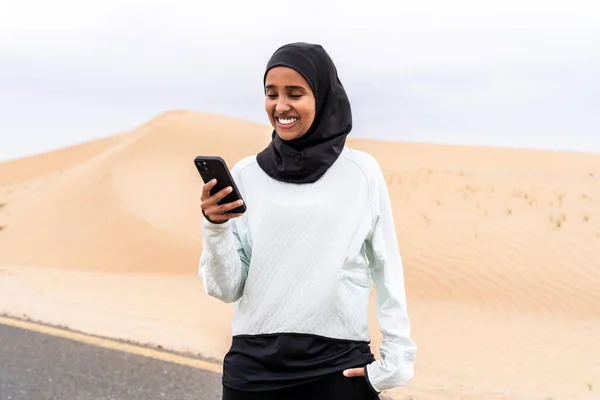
(20, 170)
(501, 250)
(35, 166)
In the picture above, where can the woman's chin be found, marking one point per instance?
(288, 135)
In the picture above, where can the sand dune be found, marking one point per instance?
(501, 250)
(102, 213)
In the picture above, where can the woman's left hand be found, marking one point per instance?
(352, 372)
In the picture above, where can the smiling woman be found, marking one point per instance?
(289, 102)
(299, 263)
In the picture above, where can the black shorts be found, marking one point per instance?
(330, 387)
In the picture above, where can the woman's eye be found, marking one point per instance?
(295, 96)
(271, 96)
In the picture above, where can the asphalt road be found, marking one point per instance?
(35, 366)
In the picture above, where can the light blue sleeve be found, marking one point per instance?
(225, 259)
(396, 368)
(226, 254)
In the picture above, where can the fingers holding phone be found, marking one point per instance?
(221, 199)
(211, 208)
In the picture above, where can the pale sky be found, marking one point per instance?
(504, 73)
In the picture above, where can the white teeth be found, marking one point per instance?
(287, 121)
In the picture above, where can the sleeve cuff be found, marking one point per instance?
(215, 226)
(369, 382)
(381, 378)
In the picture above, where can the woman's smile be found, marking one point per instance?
(287, 122)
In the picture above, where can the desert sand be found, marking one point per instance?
(501, 251)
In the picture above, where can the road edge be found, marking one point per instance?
(109, 343)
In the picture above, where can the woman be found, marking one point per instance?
(299, 263)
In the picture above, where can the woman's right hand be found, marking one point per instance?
(214, 212)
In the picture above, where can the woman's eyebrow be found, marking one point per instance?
(295, 87)
(289, 87)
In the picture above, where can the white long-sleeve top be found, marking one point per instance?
(303, 259)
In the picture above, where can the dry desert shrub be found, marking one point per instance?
(558, 221)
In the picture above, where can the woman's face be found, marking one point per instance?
(289, 102)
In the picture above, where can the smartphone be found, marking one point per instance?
(214, 167)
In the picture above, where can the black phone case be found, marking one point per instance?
(214, 167)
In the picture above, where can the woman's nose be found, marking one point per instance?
(282, 106)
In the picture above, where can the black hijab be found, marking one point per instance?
(307, 158)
